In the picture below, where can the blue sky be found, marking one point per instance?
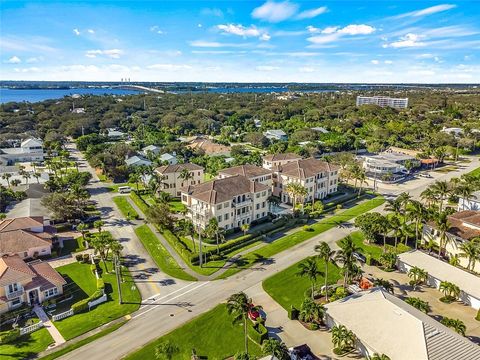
(241, 41)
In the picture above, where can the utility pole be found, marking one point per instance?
(119, 281)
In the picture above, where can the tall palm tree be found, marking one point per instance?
(429, 196)
(471, 251)
(443, 225)
(309, 269)
(385, 228)
(465, 192)
(276, 348)
(245, 228)
(362, 179)
(238, 305)
(417, 213)
(328, 256)
(7, 176)
(395, 224)
(37, 176)
(443, 190)
(345, 256)
(186, 175)
(294, 191)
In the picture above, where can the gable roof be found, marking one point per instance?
(21, 240)
(167, 156)
(28, 222)
(136, 159)
(169, 169)
(221, 190)
(388, 325)
(14, 269)
(247, 170)
(150, 148)
(44, 270)
(281, 157)
(31, 142)
(306, 168)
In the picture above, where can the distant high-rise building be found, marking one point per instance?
(398, 103)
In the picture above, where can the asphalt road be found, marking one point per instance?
(185, 301)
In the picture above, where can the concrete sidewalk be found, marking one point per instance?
(57, 337)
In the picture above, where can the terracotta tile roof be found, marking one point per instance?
(458, 223)
(281, 157)
(44, 270)
(21, 223)
(221, 190)
(170, 169)
(14, 269)
(208, 146)
(248, 171)
(306, 168)
(20, 240)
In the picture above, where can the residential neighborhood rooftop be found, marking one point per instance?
(169, 169)
(246, 170)
(306, 168)
(281, 157)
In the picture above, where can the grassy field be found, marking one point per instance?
(211, 334)
(287, 288)
(176, 206)
(301, 235)
(72, 246)
(26, 346)
(475, 172)
(80, 343)
(125, 208)
(82, 283)
(160, 255)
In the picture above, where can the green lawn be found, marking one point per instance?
(211, 334)
(176, 206)
(160, 255)
(26, 346)
(80, 343)
(82, 283)
(287, 288)
(475, 172)
(125, 208)
(301, 235)
(71, 246)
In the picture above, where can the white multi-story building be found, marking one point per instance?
(172, 178)
(251, 172)
(388, 166)
(233, 201)
(383, 101)
(30, 150)
(271, 162)
(318, 177)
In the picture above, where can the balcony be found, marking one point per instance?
(245, 202)
(15, 294)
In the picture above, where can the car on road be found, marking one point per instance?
(360, 257)
(425, 175)
(124, 189)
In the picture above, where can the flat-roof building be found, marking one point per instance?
(383, 101)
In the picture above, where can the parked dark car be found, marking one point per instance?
(360, 257)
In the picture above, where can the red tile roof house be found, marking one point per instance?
(27, 283)
(28, 237)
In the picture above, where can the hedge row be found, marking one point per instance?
(9, 336)
(257, 333)
(137, 199)
(82, 305)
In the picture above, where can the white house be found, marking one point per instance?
(273, 161)
(385, 324)
(171, 159)
(251, 172)
(472, 203)
(439, 271)
(30, 149)
(151, 149)
(173, 177)
(137, 161)
(453, 131)
(114, 134)
(276, 135)
(388, 166)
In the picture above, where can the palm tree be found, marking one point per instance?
(98, 225)
(7, 176)
(443, 190)
(328, 256)
(465, 192)
(418, 304)
(394, 206)
(418, 275)
(471, 251)
(83, 228)
(454, 260)
(186, 175)
(345, 256)
(429, 196)
(101, 244)
(450, 290)
(417, 213)
(362, 178)
(37, 175)
(134, 178)
(295, 191)
(166, 350)
(455, 324)
(377, 356)
(245, 228)
(342, 338)
(238, 305)
(443, 225)
(311, 312)
(385, 228)
(276, 348)
(309, 269)
(385, 284)
(395, 224)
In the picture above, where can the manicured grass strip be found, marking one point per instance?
(300, 236)
(160, 255)
(83, 342)
(82, 283)
(142, 205)
(287, 288)
(124, 206)
(211, 334)
(475, 172)
(26, 346)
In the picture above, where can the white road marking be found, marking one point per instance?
(156, 298)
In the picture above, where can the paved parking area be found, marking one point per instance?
(455, 310)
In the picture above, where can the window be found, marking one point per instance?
(12, 288)
(258, 206)
(225, 217)
(219, 207)
(263, 204)
(257, 195)
(219, 218)
(51, 292)
(263, 193)
(16, 301)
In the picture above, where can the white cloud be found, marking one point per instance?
(265, 37)
(388, 62)
(156, 29)
(199, 25)
(355, 29)
(214, 44)
(309, 14)
(429, 11)
(91, 31)
(169, 67)
(241, 30)
(32, 60)
(306, 69)
(409, 40)
(111, 53)
(329, 30)
(13, 60)
(375, 62)
(76, 32)
(212, 12)
(272, 11)
(266, 68)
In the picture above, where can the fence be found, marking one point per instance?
(31, 328)
(62, 315)
(98, 301)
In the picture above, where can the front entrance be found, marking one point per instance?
(33, 297)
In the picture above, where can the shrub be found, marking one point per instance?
(313, 326)
(80, 306)
(257, 333)
(86, 258)
(293, 313)
(307, 228)
(79, 257)
(139, 201)
(478, 315)
(100, 284)
(9, 336)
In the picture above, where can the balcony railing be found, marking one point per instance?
(15, 294)
(242, 203)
